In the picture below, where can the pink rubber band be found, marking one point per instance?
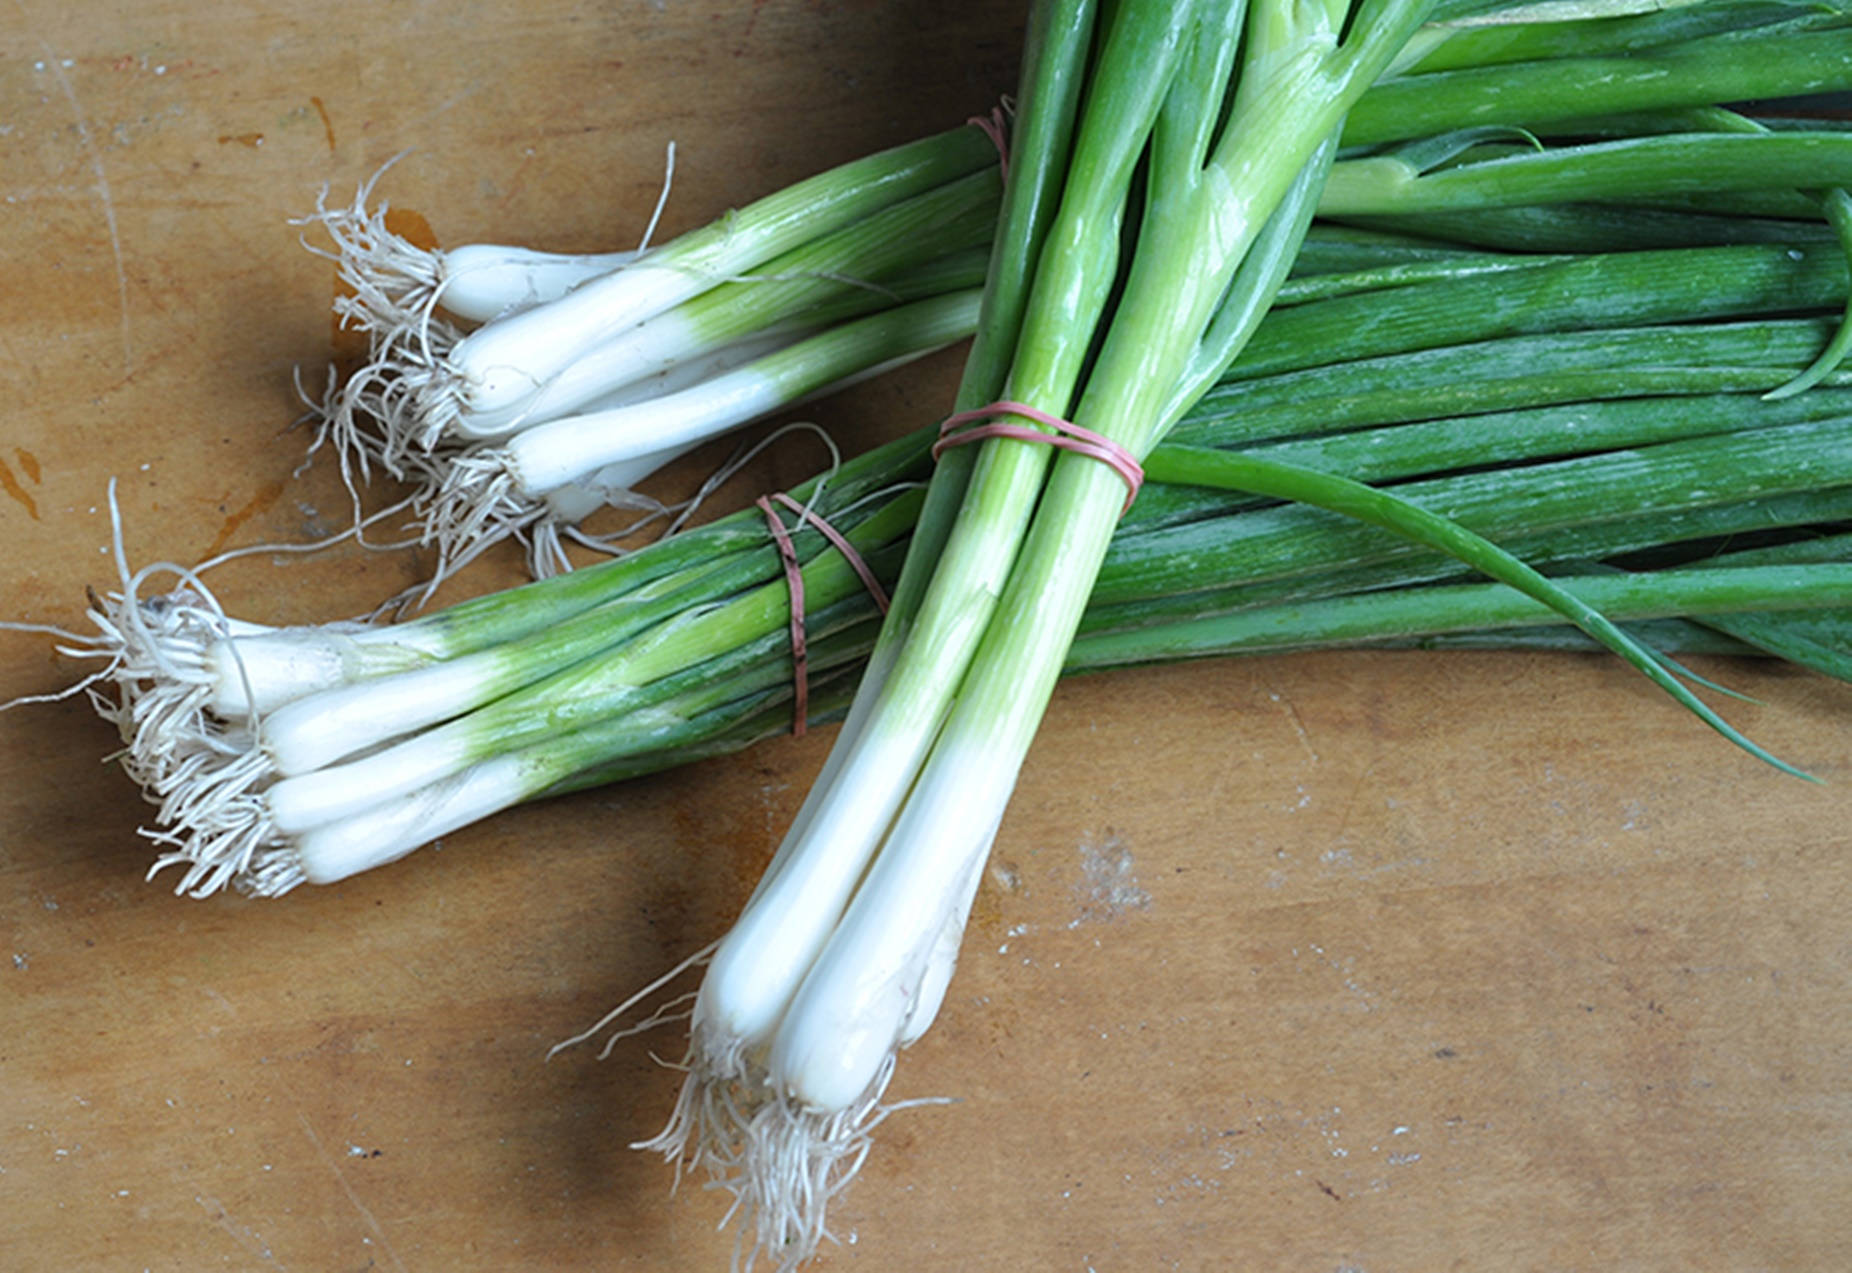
(843, 546)
(994, 127)
(1069, 437)
(794, 580)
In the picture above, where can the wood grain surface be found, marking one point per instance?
(1346, 962)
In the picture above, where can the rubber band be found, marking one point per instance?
(794, 580)
(843, 546)
(1067, 436)
(994, 127)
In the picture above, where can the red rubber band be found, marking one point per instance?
(1069, 437)
(794, 580)
(843, 546)
(994, 127)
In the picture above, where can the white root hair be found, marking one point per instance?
(392, 290)
(216, 822)
(470, 501)
(467, 502)
(205, 775)
(670, 1011)
(377, 416)
(782, 1163)
(272, 870)
(392, 283)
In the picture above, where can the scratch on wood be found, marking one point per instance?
(327, 123)
(1292, 714)
(56, 67)
(267, 494)
(1108, 887)
(322, 1153)
(241, 1234)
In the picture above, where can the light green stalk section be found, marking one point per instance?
(551, 455)
(1445, 48)
(1073, 271)
(1641, 168)
(621, 682)
(1770, 63)
(1295, 86)
(1072, 275)
(867, 343)
(845, 269)
(1054, 63)
(1375, 617)
(818, 205)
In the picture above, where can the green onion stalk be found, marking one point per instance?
(682, 650)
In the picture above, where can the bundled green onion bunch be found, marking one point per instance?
(1166, 165)
(1381, 308)
(517, 391)
(1565, 425)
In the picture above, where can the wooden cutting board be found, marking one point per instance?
(1361, 962)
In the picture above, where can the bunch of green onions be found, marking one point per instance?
(1561, 339)
(1165, 170)
(579, 376)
